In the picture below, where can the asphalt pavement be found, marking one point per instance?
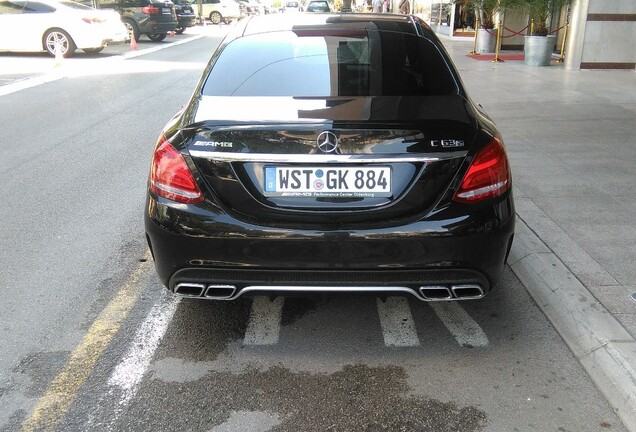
(571, 139)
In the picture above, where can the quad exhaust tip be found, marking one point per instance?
(212, 292)
(424, 293)
(453, 292)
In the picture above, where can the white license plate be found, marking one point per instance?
(328, 181)
(166, 10)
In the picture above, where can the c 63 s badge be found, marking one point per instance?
(447, 143)
(215, 144)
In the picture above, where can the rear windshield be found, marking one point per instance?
(318, 7)
(372, 63)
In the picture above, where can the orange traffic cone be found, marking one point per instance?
(133, 43)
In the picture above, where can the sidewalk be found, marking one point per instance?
(571, 139)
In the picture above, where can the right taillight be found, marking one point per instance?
(488, 175)
(170, 176)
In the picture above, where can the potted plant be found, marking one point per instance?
(539, 45)
(485, 11)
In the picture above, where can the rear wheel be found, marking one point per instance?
(216, 18)
(133, 29)
(57, 39)
(157, 37)
(179, 30)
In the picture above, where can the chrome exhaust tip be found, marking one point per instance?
(189, 289)
(435, 293)
(219, 292)
(467, 292)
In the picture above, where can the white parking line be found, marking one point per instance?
(264, 325)
(398, 327)
(50, 74)
(132, 368)
(465, 330)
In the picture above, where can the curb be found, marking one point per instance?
(605, 349)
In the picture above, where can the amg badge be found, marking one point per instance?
(213, 144)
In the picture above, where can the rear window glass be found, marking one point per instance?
(372, 63)
(318, 7)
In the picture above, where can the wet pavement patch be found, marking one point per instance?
(41, 368)
(296, 307)
(358, 397)
(200, 330)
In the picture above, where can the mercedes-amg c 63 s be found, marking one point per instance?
(330, 153)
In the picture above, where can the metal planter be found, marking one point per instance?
(486, 41)
(538, 50)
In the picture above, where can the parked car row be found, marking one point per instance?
(311, 6)
(153, 18)
(59, 27)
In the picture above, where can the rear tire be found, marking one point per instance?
(216, 18)
(133, 29)
(179, 30)
(58, 39)
(157, 37)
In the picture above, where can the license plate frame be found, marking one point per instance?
(325, 181)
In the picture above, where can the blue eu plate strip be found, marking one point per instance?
(270, 179)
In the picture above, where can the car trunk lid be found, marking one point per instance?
(361, 158)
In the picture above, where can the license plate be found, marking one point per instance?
(328, 181)
(166, 10)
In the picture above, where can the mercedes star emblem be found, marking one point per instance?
(327, 142)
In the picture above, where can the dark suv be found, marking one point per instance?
(185, 15)
(154, 18)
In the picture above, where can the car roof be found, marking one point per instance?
(330, 21)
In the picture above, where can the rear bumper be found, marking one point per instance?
(186, 20)
(99, 39)
(205, 246)
(157, 27)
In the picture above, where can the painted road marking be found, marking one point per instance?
(129, 372)
(264, 323)
(97, 65)
(465, 330)
(398, 327)
(58, 398)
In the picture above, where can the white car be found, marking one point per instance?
(57, 27)
(220, 11)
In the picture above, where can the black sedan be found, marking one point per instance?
(330, 153)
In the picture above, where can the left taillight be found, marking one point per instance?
(151, 10)
(488, 175)
(170, 176)
(92, 20)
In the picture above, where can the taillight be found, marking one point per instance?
(151, 10)
(488, 175)
(92, 20)
(170, 176)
